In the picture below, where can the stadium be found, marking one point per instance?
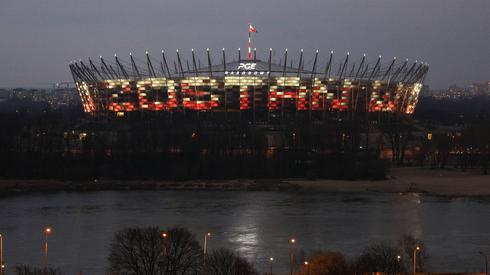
(274, 88)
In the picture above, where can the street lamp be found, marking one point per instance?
(164, 236)
(206, 237)
(47, 231)
(1, 254)
(416, 249)
(398, 259)
(292, 255)
(485, 256)
(271, 259)
(307, 268)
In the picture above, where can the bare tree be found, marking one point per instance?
(226, 262)
(380, 257)
(477, 138)
(182, 253)
(398, 130)
(136, 251)
(143, 251)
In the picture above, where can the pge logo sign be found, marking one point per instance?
(246, 66)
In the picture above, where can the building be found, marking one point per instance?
(479, 89)
(251, 89)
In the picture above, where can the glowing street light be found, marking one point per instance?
(165, 237)
(1, 255)
(416, 249)
(48, 230)
(292, 241)
(307, 268)
(271, 259)
(398, 259)
(206, 237)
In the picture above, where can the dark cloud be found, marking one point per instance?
(39, 37)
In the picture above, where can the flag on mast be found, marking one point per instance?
(251, 30)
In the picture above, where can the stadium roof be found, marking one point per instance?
(391, 70)
(248, 67)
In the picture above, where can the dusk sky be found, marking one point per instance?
(39, 38)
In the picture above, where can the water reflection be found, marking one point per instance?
(256, 224)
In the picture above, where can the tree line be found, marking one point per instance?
(68, 144)
(71, 145)
(175, 251)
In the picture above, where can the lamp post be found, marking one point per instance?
(292, 255)
(47, 231)
(271, 259)
(1, 254)
(164, 237)
(398, 259)
(206, 237)
(415, 250)
(486, 262)
(307, 268)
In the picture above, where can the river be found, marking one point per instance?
(256, 224)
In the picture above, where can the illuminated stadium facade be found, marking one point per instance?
(249, 88)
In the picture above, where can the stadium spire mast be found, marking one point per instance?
(251, 30)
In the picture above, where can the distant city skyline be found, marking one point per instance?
(39, 39)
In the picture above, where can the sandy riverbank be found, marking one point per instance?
(452, 183)
(410, 179)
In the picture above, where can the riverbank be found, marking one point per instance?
(449, 183)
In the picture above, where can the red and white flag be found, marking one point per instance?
(251, 28)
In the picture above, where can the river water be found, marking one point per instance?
(256, 224)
